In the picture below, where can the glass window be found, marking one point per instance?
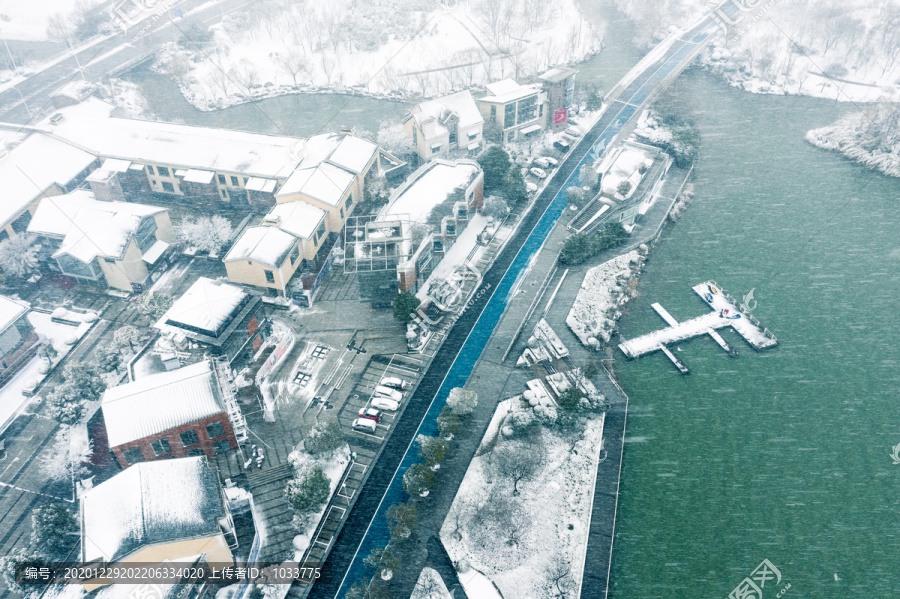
(222, 180)
(150, 169)
(189, 438)
(509, 117)
(295, 254)
(133, 455)
(234, 181)
(195, 452)
(222, 446)
(73, 266)
(215, 429)
(453, 128)
(527, 110)
(493, 114)
(270, 276)
(168, 187)
(320, 231)
(145, 234)
(163, 171)
(160, 447)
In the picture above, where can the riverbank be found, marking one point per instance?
(870, 137)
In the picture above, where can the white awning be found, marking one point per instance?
(473, 146)
(197, 176)
(115, 165)
(260, 184)
(530, 129)
(136, 167)
(156, 250)
(180, 172)
(435, 147)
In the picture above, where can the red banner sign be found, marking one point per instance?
(559, 116)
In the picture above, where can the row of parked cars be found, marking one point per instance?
(387, 396)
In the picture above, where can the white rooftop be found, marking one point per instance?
(557, 74)
(160, 402)
(624, 166)
(89, 227)
(267, 245)
(10, 311)
(326, 182)
(150, 503)
(92, 126)
(430, 186)
(460, 104)
(507, 90)
(206, 305)
(298, 218)
(353, 153)
(34, 164)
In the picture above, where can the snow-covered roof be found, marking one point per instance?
(150, 503)
(460, 104)
(624, 166)
(206, 305)
(428, 187)
(92, 126)
(297, 218)
(266, 245)
(89, 227)
(353, 153)
(160, 402)
(326, 182)
(557, 74)
(34, 164)
(10, 311)
(507, 90)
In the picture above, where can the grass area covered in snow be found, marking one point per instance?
(519, 522)
(333, 464)
(430, 586)
(39, 20)
(407, 48)
(847, 50)
(871, 137)
(605, 289)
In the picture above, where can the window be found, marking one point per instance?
(168, 187)
(234, 181)
(189, 438)
(133, 455)
(509, 116)
(145, 234)
(223, 446)
(150, 169)
(342, 213)
(215, 429)
(320, 231)
(541, 110)
(453, 129)
(270, 276)
(527, 110)
(73, 266)
(222, 180)
(195, 452)
(415, 136)
(223, 193)
(160, 447)
(493, 114)
(163, 171)
(295, 254)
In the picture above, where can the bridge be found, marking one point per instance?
(365, 528)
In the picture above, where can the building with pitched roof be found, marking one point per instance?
(168, 415)
(517, 111)
(156, 511)
(439, 126)
(118, 244)
(223, 318)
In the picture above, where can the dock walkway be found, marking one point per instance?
(725, 313)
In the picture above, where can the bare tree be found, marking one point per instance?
(293, 61)
(559, 578)
(517, 460)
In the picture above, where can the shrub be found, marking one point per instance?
(462, 401)
(405, 305)
(308, 490)
(402, 519)
(432, 449)
(324, 436)
(448, 422)
(51, 529)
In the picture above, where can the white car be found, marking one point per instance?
(383, 403)
(394, 383)
(365, 425)
(542, 162)
(538, 172)
(551, 160)
(573, 131)
(530, 186)
(388, 392)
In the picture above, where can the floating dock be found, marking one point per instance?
(726, 312)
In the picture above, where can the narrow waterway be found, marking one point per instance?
(783, 455)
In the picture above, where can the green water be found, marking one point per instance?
(782, 455)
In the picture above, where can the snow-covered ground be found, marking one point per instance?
(29, 21)
(849, 51)
(62, 337)
(430, 586)
(605, 289)
(871, 137)
(397, 48)
(333, 464)
(524, 544)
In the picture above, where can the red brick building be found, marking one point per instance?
(172, 414)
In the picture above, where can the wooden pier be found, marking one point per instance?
(725, 313)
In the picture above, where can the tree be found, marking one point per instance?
(462, 401)
(65, 404)
(495, 207)
(432, 449)
(126, 335)
(517, 460)
(366, 589)
(154, 305)
(402, 519)
(308, 490)
(589, 177)
(109, 359)
(8, 569)
(384, 563)
(206, 233)
(86, 378)
(393, 138)
(570, 398)
(448, 422)
(19, 255)
(405, 305)
(575, 196)
(324, 437)
(559, 577)
(53, 529)
(594, 101)
(514, 186)
(496, 164)
(623, 188)
(418, 480)
(48, 352)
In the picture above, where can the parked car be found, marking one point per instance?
(370, 413)
(551, 160)
(365, 425)
(384, 403)
(530, 186)
(388, 392)
(573, 131)
(561, 145)
(542, 162)
(394, 383)
(538, 172)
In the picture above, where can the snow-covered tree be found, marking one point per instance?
(402, 519)
(308, 490)
(589, 176)
(448, 422)
(126, 335)
(462, 401)
(432, 449)
(154, 305)
(69, 454)
(418, 480)
(324, 437)
(517, 460)
(19, 255)
(53, 530)
(383, 562)
(393, 138)
(495, 207)
(206, 233)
